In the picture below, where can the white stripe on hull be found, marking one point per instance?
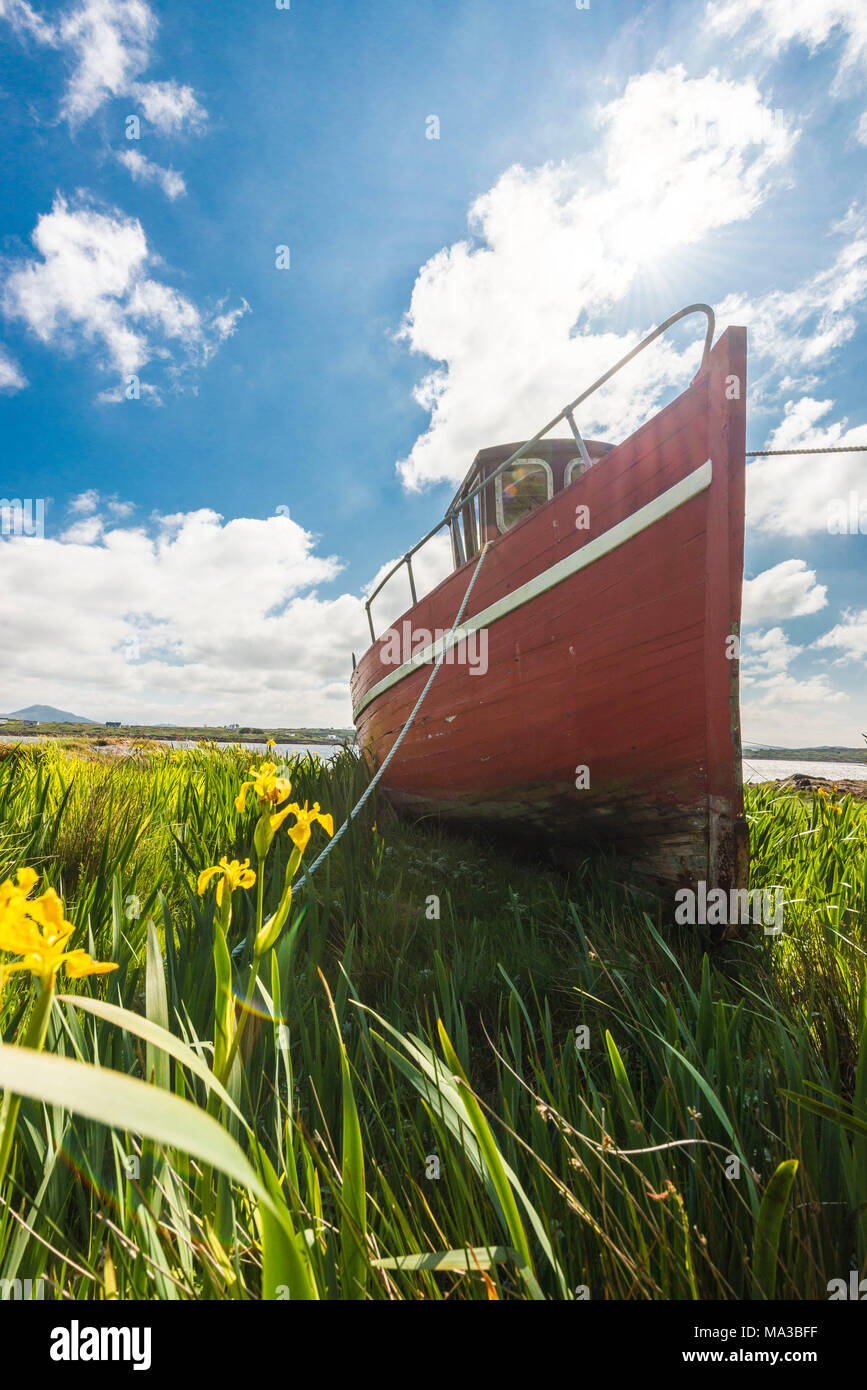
(618, 535)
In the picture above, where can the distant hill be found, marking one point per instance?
(824, 753)
(47, 714)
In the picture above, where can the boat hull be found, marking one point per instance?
(607, 714)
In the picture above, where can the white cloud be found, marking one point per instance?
(109, 42)
(144, 170)
(169, 106)
(430, 565)
(11, 377)
(222, 326)
(108, 46)
(779, 708)
(787, 590)
(91, 284)
(85, 504)
(850, 637)
(27, 21)
(765, 654)
(796, 495)
(797, 331)
(85, 532)
(193, 618)
(772, 25)
(557, 245)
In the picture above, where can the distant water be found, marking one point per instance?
(281, 750)
(775, 770)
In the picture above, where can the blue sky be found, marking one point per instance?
(206, 545)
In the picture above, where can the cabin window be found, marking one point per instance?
(574, 468)
(521, 488)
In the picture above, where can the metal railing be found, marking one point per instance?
(463, 498)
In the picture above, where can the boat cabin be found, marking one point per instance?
(513, 492)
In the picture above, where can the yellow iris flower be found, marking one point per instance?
(304, 818)
(36, 930)
(16, 890)
(231, 875)
(268, 788)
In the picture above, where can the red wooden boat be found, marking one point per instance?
(607, 601)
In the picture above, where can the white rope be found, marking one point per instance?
(780, 453)
(399, 740)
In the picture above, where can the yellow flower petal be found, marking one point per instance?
(231, 875)
(80, 963)
(279, 816)
(300, 834)
(36, 930)
(204, 879)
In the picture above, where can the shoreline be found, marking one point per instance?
(122, 750)
(803, 782)
(124, 740)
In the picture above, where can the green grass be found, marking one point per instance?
(410, 1115)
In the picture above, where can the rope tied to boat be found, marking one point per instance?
(779, 453)
(754, 453)
(447, 642)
